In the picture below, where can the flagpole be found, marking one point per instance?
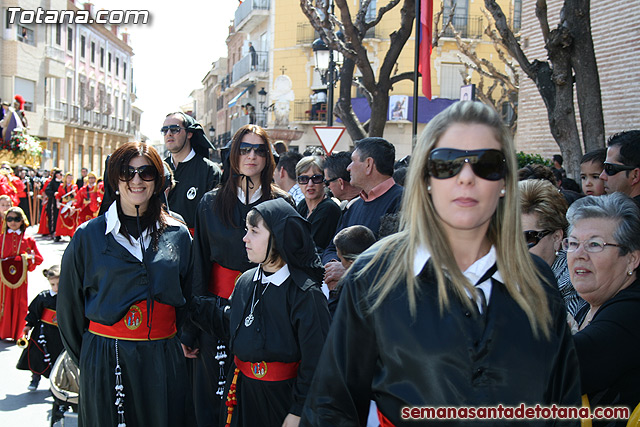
(416, 60)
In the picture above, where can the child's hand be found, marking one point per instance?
(26, 330)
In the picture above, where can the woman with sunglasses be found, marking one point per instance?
(89, 198)
(603, 252)
(321, 211)
(126, 277)
(544, 223)
(18, 254)
(452, 310)
(220, 256)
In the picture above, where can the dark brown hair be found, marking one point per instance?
(225, 203)
(154, 214)
(19, 211)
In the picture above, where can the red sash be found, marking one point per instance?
(49, 316)
(133, 326)
(271, 371)
(384, 422)
(222, 280)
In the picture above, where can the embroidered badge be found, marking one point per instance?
(133, 319)
(191, 194)
(12, 270)
(55, 319)
(259, 369)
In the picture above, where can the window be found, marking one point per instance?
(93, 52)
(26, 34)
(101, 57)
(517, 15)
(117, 65)
(69, 39)
(26, 88)
(451, 80)
(80, 155)
(460, 17)
(90, 152)
(58, 34)
(55, 149)
(109, 62)
(100, 163)
(124, 70)
(83, 42)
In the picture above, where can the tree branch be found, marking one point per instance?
(408, 75)
(541, 14)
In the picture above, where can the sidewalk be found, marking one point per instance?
(18, 406)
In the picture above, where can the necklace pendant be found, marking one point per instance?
(248, 320)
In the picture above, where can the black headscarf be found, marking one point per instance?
(293, 241)
(199, 142)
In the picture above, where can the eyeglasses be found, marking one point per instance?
(316, 179)
(259, 149)
(172, 129)
(593, 245)
(146, 173)
(487, 164)
(14, 219)
(533, 237)
(329, 181)
(612, 168)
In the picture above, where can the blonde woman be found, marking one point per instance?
(452, 310)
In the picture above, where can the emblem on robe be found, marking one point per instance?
(191, 194)
(259, 369)
(133, 319)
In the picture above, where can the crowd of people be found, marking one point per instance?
(303, 289)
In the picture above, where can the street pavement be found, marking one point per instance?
(19, 406)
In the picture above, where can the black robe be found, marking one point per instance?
(437, 359)
(290, 325)
(193, 179)
(324, 221)
(100, 280)
(32, 357)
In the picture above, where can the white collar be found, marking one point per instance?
(276, 278)
(256, 196)
(18, 231)
(113, 227)
(190, 156)
(53, 294)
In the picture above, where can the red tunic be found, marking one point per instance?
(67, 220)
(88, 202)
(43, 227)
(13, 302)
(7, 187)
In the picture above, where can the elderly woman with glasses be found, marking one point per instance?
(452, 310)
(544, 224)
(125, 279)
(603, 252)
(321, 211)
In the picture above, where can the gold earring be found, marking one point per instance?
(630, 273)
(503, 192)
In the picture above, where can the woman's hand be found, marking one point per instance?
(291, 421)
(190, 353)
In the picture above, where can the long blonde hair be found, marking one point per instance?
(420, 225)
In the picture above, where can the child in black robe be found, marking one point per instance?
(44, 345)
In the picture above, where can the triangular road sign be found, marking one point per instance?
(328, 136)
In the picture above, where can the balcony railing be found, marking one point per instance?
(305, 33)
(249, 63)
(469, 27)
(302, 111)
(54, 53)
(248, 6)
(54, 114)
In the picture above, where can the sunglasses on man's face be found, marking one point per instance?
(316, 179)
(533, 237)
(14, 219)
(146, 173)
(259, 149)
(172, 129)
(487, 164)
(613, 168)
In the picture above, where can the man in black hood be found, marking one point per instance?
(194, 173)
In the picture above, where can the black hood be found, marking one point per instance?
(292, 235)
(199, 141)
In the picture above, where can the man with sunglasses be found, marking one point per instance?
(622, 166)
(194, 173)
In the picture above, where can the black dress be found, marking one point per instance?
(435, 359)
(100, 280)
(324, 220)
(33, 357)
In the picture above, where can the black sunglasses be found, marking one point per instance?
(172, 129)
(329, 181)
(612, 168)
(145, 172)
(533, 237)
(259, 149)
(487, 164)
(316, 179)
(14, 219)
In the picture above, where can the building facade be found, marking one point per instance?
(77, 80)
(615, 32)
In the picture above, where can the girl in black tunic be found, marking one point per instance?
(276, 320)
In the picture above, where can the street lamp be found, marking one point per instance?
(262, 99)
(325, 65)
(212, 134)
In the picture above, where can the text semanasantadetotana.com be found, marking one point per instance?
(522, 411)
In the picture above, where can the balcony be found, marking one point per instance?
(469, 27)
(54, 62)
(256, 65)
(54, 122)
(302, 112)
(305, 33)
(73, 114)
(250, 14)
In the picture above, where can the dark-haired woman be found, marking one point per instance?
(220, 256)
(125, 280)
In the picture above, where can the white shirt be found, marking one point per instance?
(473, 273)
(256, 196)
(190, 156)
(276, 278)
